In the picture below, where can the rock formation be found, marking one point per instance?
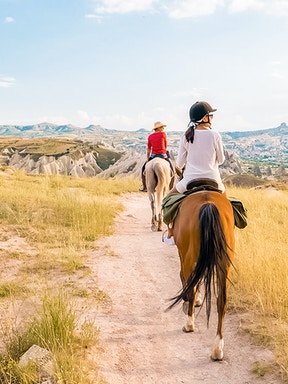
(130, 164)
(50, 165)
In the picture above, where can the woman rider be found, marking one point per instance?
(200, 151)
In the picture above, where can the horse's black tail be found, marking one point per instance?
(213, 260)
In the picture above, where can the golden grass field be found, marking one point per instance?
(261, 263)
(60, 217)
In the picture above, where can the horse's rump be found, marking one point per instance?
(203, 233)
(157, 172)
(186, 225)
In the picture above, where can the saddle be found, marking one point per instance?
(172, 169)
(197, 185)
(172, 202)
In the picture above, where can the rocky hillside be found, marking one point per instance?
(51, 130)
(96, 151)
(79, 158)
(57, 156)
(266, 147)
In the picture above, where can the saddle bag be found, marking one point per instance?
(240, 213)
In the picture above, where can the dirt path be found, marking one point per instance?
(140, 343)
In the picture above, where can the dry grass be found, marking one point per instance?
(53, 328)
(59, 218)
(261, 281)
(58, 211)
(11, 288)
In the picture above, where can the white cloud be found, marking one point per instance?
(277, 75)
(277, 7)
(122, 6)
(174, 8)
(9, 19)
(276, 62)
(179, 9)
(270, 7)
(192, 8)
(278, 70)
(98, 18)
(6, 82)
(245, 5)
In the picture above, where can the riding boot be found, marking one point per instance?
(143, 178)
(172, 181)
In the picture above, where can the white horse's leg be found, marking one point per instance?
(153, 209)
(157, 176)
(217, 352)
(160, 193)
(158, 205)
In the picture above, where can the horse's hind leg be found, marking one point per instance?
(218, 346)
(153, 209)
(159, 228)
(190, 325)
(198, 296)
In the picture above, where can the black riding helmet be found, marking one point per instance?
(199, 110)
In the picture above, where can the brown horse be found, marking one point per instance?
(158, 177)
(204, 235)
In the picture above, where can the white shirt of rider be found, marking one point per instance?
(202, 157)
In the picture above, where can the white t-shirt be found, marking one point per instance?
(201, 158)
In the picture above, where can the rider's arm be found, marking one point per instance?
(220, 157)
(149, 147)
(148, 154)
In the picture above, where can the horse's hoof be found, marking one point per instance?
(187, 330)
(216, 359)
(217, 349)
(153, 228)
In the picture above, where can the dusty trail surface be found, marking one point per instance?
(142, 344)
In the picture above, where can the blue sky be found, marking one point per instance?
(124, 64)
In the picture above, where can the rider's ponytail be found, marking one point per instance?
(189, 134)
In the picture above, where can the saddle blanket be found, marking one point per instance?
(171, 204)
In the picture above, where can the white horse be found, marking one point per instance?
(158, 177)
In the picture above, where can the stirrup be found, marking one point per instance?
(167, 240)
